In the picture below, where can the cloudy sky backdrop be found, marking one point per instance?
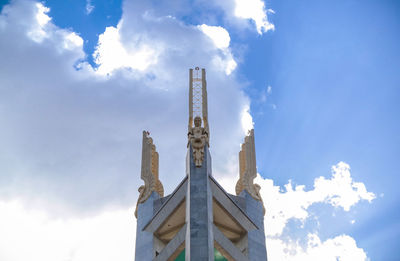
(318, 80)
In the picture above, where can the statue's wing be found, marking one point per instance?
(250, 150)
(146, 174)
(248, 166)
(242, 168)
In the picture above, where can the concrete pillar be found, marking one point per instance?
(256, 238)
(144, 240)
(199, 242)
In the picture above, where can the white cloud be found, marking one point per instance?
(241, 13)
(255, 11)
(36, 26)
(341, 247)
(269, 89)
(293, 203)
(111, 54)
(109, 235)
(218, 35)
(227, 64)
(247, 120)
(284, 205)
(89, 7)
(38, 32)
(70, 150)
(72, 41)
(141, 49)
(339, 191)
(41, 14)
(74, 135)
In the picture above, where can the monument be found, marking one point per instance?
(199, 220)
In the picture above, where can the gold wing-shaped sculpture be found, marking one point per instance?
(149, 172)
(248, 168)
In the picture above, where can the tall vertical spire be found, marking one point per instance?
(198, 135)
(199, 220)
(198, 98)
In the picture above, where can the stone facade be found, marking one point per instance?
(199, 211)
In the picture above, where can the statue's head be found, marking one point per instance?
(197, 121)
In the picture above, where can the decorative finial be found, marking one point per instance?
(149, 173)
(248, 169)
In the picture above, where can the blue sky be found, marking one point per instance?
(80, 80)
(335, 66)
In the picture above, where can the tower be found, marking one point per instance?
(199, 220)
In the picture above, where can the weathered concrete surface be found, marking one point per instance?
(199, 242)
(256, 238)
(144, 240)
(159, 202)
(241, 202)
